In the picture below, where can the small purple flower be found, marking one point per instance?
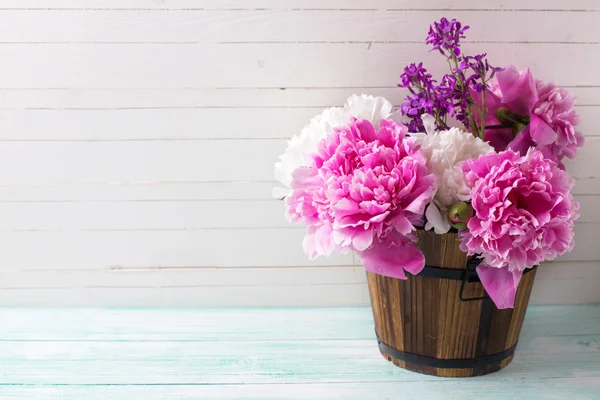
(414, 74)
(422, 98)
(445, 36)
(446, 94)
(478, 87)
(453, 96)
(481, 71)
(416, 105)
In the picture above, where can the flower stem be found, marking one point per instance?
(440, 122)
(466, 89)
(482, 115)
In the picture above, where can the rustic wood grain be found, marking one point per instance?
(281, 353)
(425, 316)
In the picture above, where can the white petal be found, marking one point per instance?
(436, 219)
(446, 151)
(301, 146)
(428, 123)
(368, 107)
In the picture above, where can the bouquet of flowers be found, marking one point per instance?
(362, 181)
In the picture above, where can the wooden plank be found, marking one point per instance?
(188, 324)
(291, 362)
(181, 277)
(246, 324)
(180, 123)
(556, 283)
(159, 248)
(139, 215)
(537, 5)
(567, 291)
(154, 124)
(178, 352)
(586, 186)
(271, 65)
(189, 248)
(160, 161)
(584, 164)
(252, 98)
(243, 26)
(281, 295)
(148, 161)
(177, 191)
(589, 210)
(41, 102)
(221, 214)
(143, 191)
(571, 388)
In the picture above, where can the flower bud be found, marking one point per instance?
(517, 128)
(459, 214)
(509, 119)
(502, 115)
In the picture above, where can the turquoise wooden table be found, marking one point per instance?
(321, 353)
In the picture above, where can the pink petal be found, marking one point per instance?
(402, 224)
(367, 130)
(346, 207)
(500, 284)
(519, 92)
(413, 260)
(323, 239)
(362, 239)
(540, 131)
(308, 244)
(342, 237)
(303, 177)
(522, 142)
(499, 139)
(392, 255)
(417, 206)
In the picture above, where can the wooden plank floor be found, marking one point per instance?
(320, 353)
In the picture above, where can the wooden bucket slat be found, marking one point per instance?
(425, 316)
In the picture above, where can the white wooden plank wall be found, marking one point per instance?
(137, 138)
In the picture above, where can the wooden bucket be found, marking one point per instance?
(423, 325)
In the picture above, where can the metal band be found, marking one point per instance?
(430, 271)
(416, 359)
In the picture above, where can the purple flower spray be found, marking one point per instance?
(452, 96)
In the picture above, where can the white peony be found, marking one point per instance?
(301, 146)
(367, 107)
(445, 151)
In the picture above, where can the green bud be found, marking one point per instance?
(502, 116)
(518, 127)
(459, 214)
(509, 119)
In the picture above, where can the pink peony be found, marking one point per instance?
(363, 189)
(553, 122)
(549, 109)
(524, 214)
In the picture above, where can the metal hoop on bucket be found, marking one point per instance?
(468, 275)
